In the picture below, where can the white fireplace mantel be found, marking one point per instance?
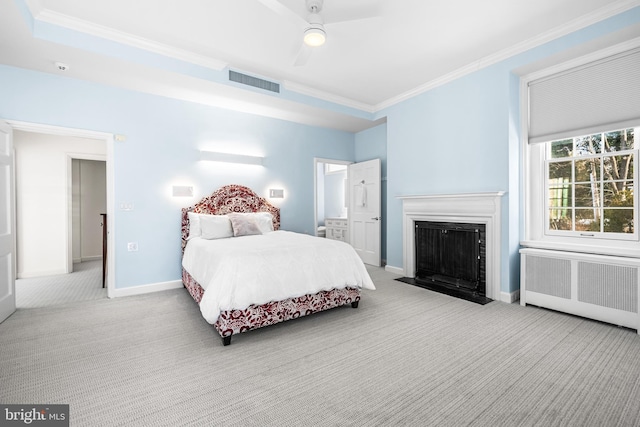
(473, 208)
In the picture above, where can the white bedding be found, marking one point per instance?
(240, 271)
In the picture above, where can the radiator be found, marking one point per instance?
(598, 287)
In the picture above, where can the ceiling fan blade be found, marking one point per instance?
(283, 10)
(303, 55)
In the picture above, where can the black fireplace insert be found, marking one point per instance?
(450, 258)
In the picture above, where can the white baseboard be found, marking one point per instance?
(90, 258)
(394, 270)
(29, 275)
(145, 289)
(510, 298)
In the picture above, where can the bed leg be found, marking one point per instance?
(355, 304)
(226, 340)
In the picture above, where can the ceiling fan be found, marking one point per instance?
(313, 25)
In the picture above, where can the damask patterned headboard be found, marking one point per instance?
(227, 199)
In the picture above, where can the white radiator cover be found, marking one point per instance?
(598, 287)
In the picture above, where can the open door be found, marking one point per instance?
(365, 210)
(7, 202)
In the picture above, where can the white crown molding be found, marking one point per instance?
(575, 25)
(326, 96)
(90, 28)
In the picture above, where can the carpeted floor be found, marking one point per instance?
(83, 284)
(406, 356)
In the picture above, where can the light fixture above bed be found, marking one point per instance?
(214, 156)
(182, 191)
(276, 193)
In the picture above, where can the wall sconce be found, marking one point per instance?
(182, 191)
(276, 193)
(214, 156)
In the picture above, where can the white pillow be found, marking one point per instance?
(215, 227)
(194, 225)
(264, 221)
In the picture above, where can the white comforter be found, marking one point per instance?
(239, 271)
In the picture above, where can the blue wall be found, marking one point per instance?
(163, 137)
(464, 137)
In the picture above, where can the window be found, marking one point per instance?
(330, 168)
(580, 154)
(590, 183)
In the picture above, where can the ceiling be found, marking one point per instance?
(382, 52)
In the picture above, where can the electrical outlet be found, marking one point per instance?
(132, 246)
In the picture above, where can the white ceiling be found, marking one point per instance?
(398, 48)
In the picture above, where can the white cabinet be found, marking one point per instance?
(337, 229)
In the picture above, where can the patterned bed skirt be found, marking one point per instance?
(256, 316)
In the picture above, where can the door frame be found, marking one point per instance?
(109, 140)
(317, 160)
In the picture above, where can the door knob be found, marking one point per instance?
(377, 218)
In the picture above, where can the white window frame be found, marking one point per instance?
(534, 202)
(596, 234)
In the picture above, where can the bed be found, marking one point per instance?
(245, 273)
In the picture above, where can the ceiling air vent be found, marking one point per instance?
(234, 76)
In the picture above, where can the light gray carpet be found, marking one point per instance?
(83, 284)
(406, 356)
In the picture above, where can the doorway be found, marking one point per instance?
(62, 188)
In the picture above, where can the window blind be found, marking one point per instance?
(599, 96)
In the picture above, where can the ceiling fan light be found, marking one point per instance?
(315, 36)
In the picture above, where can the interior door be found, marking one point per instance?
(7, 202)
(365, 210)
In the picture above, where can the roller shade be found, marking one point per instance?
(598, 96)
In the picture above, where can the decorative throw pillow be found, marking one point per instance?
(244, 225)
(215, 227)
(264, 220)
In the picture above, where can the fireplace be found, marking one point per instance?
(466, 211)
(450, 258)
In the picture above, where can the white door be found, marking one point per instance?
(7, 247)
(365, 210)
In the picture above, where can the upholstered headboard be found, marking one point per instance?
(227, 199)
